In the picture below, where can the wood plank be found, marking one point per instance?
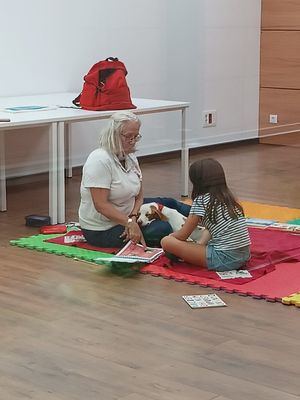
(280, 14)
(286, 105)
(280, 60)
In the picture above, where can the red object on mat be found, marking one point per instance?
(49, 229)
(272, 251)
(80, 243)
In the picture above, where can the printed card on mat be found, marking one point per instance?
(233, 274)
(204, 300)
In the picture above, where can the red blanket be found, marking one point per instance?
(268, 248)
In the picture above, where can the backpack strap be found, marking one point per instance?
(112, 59)
(76, 101)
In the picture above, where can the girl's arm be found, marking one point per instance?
(188, 227)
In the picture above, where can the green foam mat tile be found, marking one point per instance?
(295, 221)
(37, 242)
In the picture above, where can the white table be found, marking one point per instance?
(59, 120)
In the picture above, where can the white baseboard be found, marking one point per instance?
(26, 169)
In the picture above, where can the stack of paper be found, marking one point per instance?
(285, 227)
(272, 224)
(259, 222)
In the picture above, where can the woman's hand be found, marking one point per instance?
(133, 232)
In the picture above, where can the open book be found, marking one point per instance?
(132, 253)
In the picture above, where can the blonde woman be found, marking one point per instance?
(111, 189)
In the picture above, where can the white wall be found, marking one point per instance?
(202, 51)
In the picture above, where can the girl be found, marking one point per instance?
(225, 242)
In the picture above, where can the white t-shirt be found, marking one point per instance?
(104, 170)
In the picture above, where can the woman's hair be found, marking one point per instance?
(208, 177)
(110, 138)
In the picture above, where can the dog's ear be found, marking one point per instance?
(156, 214)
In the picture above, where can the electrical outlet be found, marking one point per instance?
(209, 118)
(273, 119)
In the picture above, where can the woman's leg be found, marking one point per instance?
(184, 209)
(190, 252)
(108, 238)
(155, 231)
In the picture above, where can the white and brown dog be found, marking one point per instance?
(151, 211)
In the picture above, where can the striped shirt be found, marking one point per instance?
(226, 233)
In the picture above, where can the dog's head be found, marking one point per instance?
(149, 212)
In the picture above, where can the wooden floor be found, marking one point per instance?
(69, 333)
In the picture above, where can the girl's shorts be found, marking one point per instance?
(226, 260)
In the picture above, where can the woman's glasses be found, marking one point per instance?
(132, 138)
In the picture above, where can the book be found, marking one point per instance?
(134, 252)
(17, 109)
(204, 300)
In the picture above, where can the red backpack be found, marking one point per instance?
(105, 87)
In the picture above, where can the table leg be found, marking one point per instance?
(184, 156)
(68, 136)
(61, 172)
(2, 173)
(53, 173)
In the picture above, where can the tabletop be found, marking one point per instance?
(58, 107)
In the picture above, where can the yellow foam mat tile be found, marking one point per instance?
(267, 211)
(292, 299)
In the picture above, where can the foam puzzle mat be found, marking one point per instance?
(39, 243)
(258, 289)
(279, 213)
(292, 299)
(268, 211)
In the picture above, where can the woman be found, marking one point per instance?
(111, 189)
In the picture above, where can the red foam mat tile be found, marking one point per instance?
(281, 282)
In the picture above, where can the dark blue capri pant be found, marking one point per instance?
(153, 233)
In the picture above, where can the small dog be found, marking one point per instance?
(151, 211)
